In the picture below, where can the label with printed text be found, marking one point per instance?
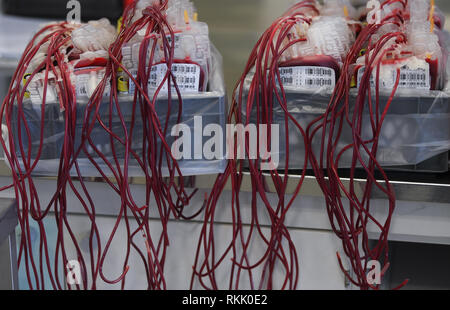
(187, 77)
(409, 78)
(307, 77)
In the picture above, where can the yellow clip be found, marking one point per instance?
(122, 84)
(119, 24)
(346, 11)
(24, 81)
(353, 83)
(432, 9)
(186, 17)
(195, 16)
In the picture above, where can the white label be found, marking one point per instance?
(86, 83)
(37, 93)
(131, 85)
(82, 84)
(35, 96)
(186, 75)
(409, 78)
(203, 49)
(177, 37)
(308, 77)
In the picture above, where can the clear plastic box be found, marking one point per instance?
(415, 135)
(211, 105)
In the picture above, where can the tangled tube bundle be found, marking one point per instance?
(355, 58)
(391, 44)
(61, 47)
(280, 251)
(405, 34)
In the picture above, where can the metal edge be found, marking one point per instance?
(404, 191)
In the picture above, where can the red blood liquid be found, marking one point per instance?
(438, 21)
(127, 3)
(97, 62)
(314, 61)
(434, 71)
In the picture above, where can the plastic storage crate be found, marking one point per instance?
(211, 106)
(415, 135)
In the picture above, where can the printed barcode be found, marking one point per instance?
(318, 82)
(286, 80)
(413, 76)
(184, 69)
(286, 71)
(169, 38)
(185, 80)
(408, 78)
(318, 71)
(191, 69)
(187, 77)
(308, 77)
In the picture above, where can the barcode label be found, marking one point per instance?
(419, 78)
(177, 38)
(409, 78)
(83, 80)
(132, 86)
(81, 85)
(82, 91)
(307, 77)
(35, 95)
(187, 77)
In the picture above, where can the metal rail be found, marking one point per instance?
(413, 191)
